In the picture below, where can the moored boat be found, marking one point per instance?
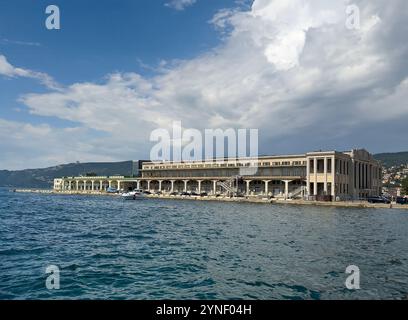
(134, 195)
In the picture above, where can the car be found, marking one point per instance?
(194, 194)
(184, 194)
(158, 193)
(401, 200)
(112, 190)
(379, 200)
(147, 192)
(203, 194)
(174, 193)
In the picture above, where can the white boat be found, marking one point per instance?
(134, 195)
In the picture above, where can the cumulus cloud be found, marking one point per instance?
(289, 68)
(26, 145)
(180, 4)
(8, 70)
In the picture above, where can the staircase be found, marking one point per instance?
(228, 185)
(299, 191)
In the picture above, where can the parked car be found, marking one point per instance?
(194, 194)
(147, 192)
(184, 194)
(203, 194)
(112, 190)
(379, 200)
(174, 193)
(158, 193)
(401, 200)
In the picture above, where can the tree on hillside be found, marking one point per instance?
(404, 184)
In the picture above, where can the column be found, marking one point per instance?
(70, 185)
(118, 185)
(138, 184)
(148, 185)
(333, 185)
(100, 185)
(366, 176)
(266, 186)
(185, 185)
(199, 186)
(247, 186)
(325, 175)
(172, 185)
(110, 183)
(357, 174)
(308, 176)
(93, 185)
(160, 185)
(85, 182)
(215, 186)
(315, 176)
(286, 188)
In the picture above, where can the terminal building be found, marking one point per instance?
(321, 175)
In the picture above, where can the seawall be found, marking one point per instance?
(341, 204)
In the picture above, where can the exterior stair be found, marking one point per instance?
(228, 185)
(298, 192)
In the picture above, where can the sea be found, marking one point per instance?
(103, 247)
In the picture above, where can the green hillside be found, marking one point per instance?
(392, 159)
(43, 178)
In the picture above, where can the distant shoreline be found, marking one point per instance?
(340, 204)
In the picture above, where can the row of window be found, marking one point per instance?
(260, 172)
(224, 165)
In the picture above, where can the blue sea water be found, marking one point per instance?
(107, 248)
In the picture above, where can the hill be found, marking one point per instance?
(392, 159)
(43, 178)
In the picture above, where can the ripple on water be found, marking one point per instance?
(110, 249)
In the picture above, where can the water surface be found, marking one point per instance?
(107, 248)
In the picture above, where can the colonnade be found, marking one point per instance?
(212, 186)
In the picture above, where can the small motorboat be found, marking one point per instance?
(134, 195)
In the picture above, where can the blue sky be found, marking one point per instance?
(95, 90)
(97, 38)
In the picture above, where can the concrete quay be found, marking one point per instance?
(250, 199)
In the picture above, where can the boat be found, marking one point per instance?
(134, 195)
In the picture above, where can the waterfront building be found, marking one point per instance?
(320, 175)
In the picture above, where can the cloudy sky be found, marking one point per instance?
(94, 90)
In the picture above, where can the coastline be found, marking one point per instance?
(340, 204)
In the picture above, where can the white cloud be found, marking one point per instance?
(8, 70)
(289, 68)
(33, 146)
(180, 4)
(20, 43)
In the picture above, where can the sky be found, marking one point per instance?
(117, 70)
